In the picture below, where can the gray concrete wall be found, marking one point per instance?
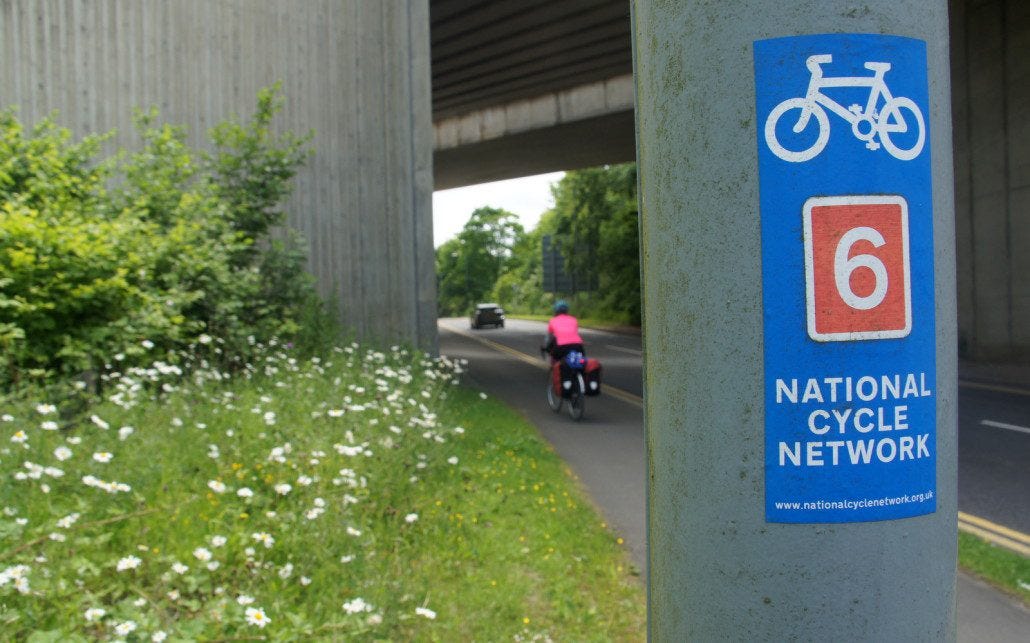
(355, 71)
(990, 43)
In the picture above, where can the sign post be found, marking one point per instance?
(799, 319)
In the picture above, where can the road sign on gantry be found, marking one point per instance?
(847, 278)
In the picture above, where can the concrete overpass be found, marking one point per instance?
(528, 87)
(405, 95)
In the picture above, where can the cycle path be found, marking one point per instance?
(606, 453)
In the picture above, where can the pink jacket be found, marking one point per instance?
(565, 329)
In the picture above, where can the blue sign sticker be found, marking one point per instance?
(847, 278)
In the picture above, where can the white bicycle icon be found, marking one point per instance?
(867, 123)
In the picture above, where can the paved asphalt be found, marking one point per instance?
(606, 449)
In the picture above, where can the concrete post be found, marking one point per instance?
(721, 564)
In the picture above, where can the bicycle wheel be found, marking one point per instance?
(892, 121)
(578, 401)
(554, 401)
(801, 133)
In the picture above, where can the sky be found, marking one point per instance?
(528, 197)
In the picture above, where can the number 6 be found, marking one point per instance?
(843, 267)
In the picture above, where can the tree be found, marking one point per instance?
(469, 265)
(597, 228)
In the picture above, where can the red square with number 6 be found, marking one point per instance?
(857, 279)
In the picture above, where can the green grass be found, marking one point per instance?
(407, 491)
(1002, 568)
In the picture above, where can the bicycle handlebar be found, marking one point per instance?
(813, 62)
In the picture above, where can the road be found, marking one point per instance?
(606, 450)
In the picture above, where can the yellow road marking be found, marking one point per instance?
(617, 393)
(998, 534)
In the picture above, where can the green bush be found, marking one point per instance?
(106, 263)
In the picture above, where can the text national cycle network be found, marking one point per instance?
(854, 420)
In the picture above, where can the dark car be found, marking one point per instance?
(487, 315)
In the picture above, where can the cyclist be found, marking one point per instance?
(562, 332)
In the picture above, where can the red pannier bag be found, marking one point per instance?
(592, 377)
(556, 379)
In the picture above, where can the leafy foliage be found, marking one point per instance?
(597, 227)
(469, 265)
(139, 254)
(594, 222)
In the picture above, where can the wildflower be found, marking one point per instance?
(270, 418)
(173, 595)
(244, 600)
(147, 344)
(410, 518)
(204, 338)
(216, 486)
(62, 453)
(305, 581)
(57, 537)
(202, 554)
(158, 636)
(346, 559)
(283, 489)
(304, 481)
(351, 531)
(19, 437)
(176, 422)
(68, 521)
(313, 513)
(357, 605)
(129, 562)
(428, 613)
(74, 439)
(285, 571)
(264, 538)
(94, 614)
(125, 432)
(482, 396)
(103, 457)
(123, 629)
(49, 425)
(179, 568)
(46, 409)
(244, 492)
(213, 565)
(218, 541)
(453, 459)
(256, 616)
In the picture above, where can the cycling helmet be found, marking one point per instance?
(561, 307)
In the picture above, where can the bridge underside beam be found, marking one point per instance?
(586, 143)
(591, 124)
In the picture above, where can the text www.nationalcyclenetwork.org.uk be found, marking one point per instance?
(855, 504)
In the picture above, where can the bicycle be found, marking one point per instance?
(867, 123)
(576, 392)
